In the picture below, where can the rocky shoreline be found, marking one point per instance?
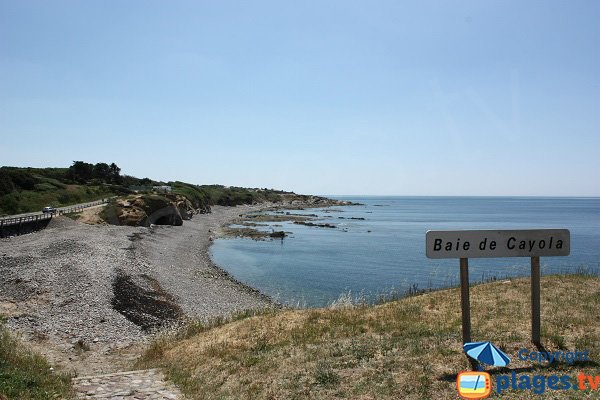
(88, 296)
(247, 224)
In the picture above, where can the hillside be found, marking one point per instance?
(406, 349)
(30, 189)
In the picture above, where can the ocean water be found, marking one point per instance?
(385, 252)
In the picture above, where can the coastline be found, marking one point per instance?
(188, 248)
(221, 233)
(58, 291)
(59, 287)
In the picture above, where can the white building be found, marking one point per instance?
(162, 189)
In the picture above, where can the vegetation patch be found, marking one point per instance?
(144, 302)
(25, 375)
(30, 189)
(408, 349)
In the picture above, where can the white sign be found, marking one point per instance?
(503, 243)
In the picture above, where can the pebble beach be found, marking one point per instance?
(60, 288)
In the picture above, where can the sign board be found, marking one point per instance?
(532, 243)
(498, 243)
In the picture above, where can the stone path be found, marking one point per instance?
(146, 384)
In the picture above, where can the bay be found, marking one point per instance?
(377, 249)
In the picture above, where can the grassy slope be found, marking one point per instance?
(46, 190)
(35, 200)
(31, 189)
(404, 349)
(25, 375)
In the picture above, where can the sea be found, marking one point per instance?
(376, 250)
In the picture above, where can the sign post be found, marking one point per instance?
(535, 301)
(499, 243)
(465, 303)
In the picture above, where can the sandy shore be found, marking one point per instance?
(60, 287)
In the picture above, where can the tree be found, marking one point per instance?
(22, 180)
(102, 172)
(9, 204)
(6, 184)
(115, 173)
(81, 171)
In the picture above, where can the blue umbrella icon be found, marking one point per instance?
(487, 353)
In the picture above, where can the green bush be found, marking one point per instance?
(6, 183)
(9, 204)
(198, 197)
(21, 179)
(25, 375)
(40, 187)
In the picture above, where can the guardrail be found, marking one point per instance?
(79, 207)
(25, 219)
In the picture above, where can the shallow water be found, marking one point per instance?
(385, 252)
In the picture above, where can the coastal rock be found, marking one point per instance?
(144, 210)
(186, 210)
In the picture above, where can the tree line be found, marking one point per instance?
(82, 172)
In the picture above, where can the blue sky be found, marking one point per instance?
(329, 97)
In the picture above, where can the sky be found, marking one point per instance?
(327, 97)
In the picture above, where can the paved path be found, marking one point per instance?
(145, 384)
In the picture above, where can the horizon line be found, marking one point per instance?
(459, 196)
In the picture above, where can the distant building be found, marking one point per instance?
(140, 189)
(162, 189)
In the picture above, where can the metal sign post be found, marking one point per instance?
(465, 303)
(535, 301)
(500, 243)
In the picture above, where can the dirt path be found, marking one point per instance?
(91, 215)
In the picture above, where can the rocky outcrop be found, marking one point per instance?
(185, 207)
(300, 201)
(145, 210)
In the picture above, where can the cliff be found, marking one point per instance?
(145, 210)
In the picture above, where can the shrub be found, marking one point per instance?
(40, 187)
(25, 375)
(6, 183)
(9, 204)
(325, 375)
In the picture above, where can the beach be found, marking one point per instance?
(60, 286)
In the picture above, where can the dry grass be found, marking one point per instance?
(409, 349)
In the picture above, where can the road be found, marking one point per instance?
(60, 210)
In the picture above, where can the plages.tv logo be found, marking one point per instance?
(474, 385)
(478, 384)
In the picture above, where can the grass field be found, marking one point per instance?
(25, 375)
(408, 349)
